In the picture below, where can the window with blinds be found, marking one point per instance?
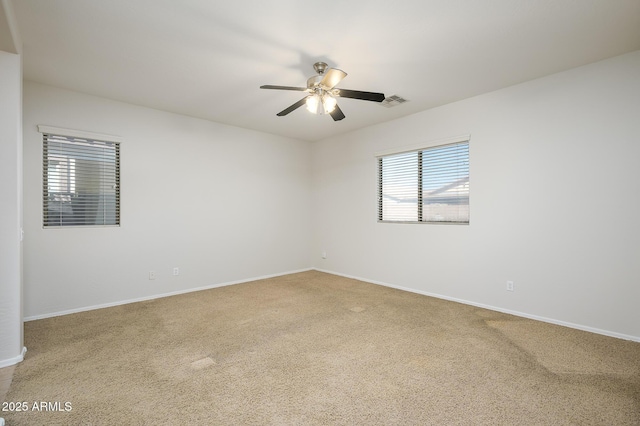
(81, 181)
(425, 186)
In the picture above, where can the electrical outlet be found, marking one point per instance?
(176, 271)
(152, 275)
(509, 285)
(324, 254)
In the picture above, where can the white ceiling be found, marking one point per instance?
(207, 59)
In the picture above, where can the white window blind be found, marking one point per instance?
(426, 185)
(81, 181)
(399, 187)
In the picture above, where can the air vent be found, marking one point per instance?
(392, 101)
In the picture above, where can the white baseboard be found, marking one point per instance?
(12, 361)
(157, 296)
(492, 308)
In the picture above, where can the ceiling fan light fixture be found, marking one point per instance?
(321, 102)
(313, 102)
(328, 103)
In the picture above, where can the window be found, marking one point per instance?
(81, 180)
(429, 185)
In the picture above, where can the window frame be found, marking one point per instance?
(47, 131)
(418, 149)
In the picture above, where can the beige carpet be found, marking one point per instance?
(313, 348)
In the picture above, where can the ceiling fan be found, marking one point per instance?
(322, 93)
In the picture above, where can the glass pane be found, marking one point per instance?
(445, 183)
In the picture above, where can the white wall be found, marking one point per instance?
(10, 208)
(555, 200)
(221, 203)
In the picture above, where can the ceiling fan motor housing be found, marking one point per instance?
(314, 81)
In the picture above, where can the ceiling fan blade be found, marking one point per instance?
(292, 107)
(356, 94)
(332, 77)
(337, 114)
(269, 86)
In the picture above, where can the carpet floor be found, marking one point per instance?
(314, 348)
